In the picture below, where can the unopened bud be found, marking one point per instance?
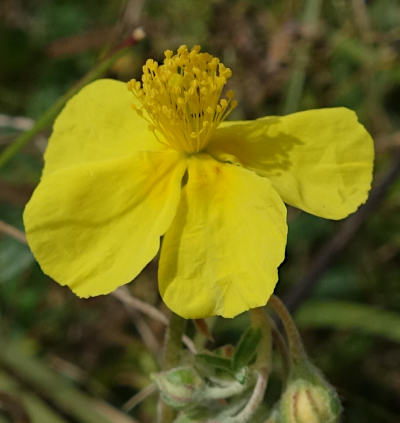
(308, 402)
(177, 386)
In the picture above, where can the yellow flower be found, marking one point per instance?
(115, 181)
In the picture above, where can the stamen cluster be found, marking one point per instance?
(181, 99)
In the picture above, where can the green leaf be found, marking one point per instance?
(246, 348)
(214, 361)
(347, 315)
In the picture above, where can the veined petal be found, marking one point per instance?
(221, 254)
(320, 161)
(98, 124)
(95, 226)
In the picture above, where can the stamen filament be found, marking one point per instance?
(181, 98)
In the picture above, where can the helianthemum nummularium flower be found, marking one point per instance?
(115, 180)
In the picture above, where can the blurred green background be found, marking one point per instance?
(71, 360)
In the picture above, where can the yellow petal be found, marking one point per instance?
(320, 160)
(95, 226)
(221, 254)
(98, 124)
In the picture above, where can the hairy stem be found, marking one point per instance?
(255, 400)
(296, 347)
(171, 356)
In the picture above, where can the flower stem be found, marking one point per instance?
(255, 400)
(51, 113)
(264, 352)
(171, 356)
(296, 347)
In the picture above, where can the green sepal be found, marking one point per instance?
(247, 348)
(214, 361)
(178, 386)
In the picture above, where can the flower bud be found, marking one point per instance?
(177, 386)
(308, 402)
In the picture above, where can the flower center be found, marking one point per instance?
(182, 97)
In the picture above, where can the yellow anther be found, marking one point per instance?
(182, 49)
(196, 49)
(213, 64)
(181, 97)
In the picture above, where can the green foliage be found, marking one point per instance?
(346, 315)
(67, 398)
(214, 361)
(351, 322)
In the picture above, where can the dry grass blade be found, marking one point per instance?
(12, 231)
(139, 397)
(122, 294)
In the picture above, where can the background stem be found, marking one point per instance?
(51, 113)
(309, 19)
